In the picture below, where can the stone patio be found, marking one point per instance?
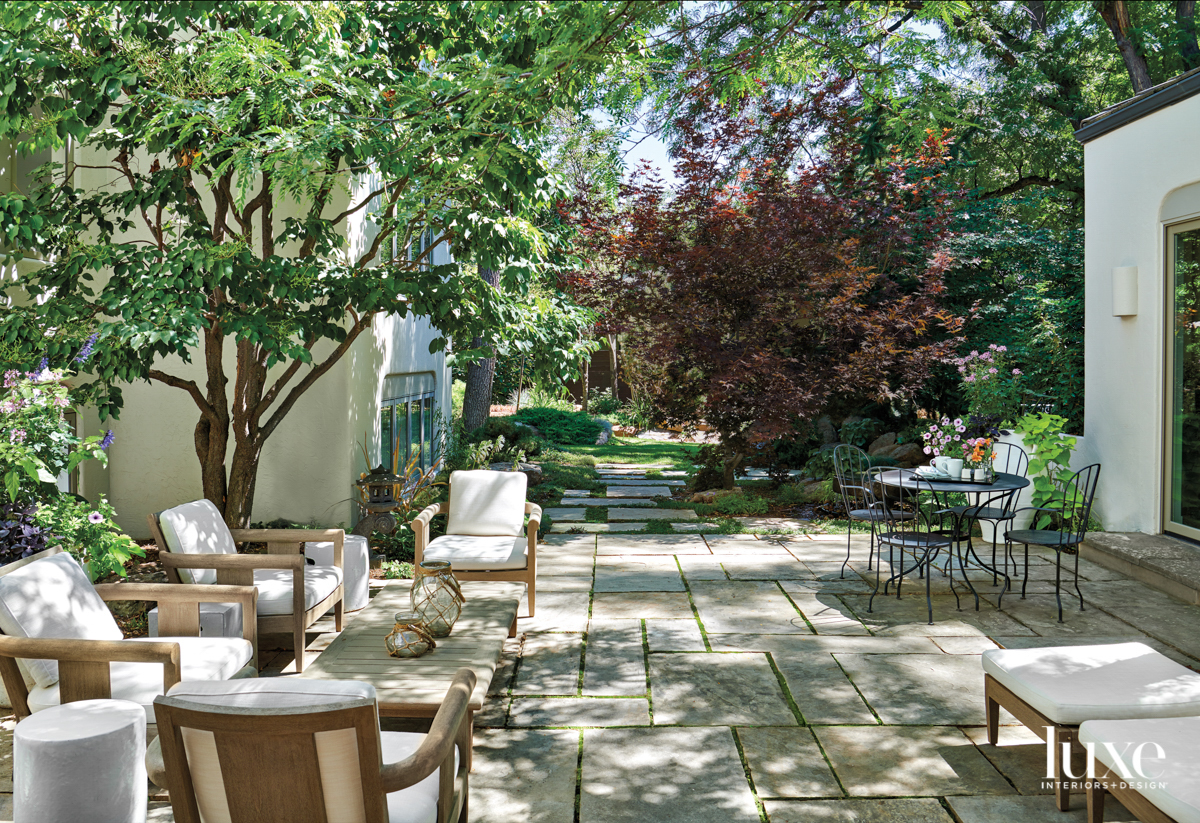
(733, 678)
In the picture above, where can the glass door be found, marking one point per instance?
(1182, 462)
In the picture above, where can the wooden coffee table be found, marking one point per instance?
(416, 687)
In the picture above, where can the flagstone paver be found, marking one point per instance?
(747, 548)
(605, 502)
(908, 615)
(701, 567)
(674, 635)
(638, 491)
(616, 658)
(579, 711)
(783, 567)
(641, 481)
(717, 690)
(652, 544)
(637, 573)
(787, 763)
(826, 613)
(909, 761)
(746, 607)
(557, 612)
(562, 513)
(902, 810)
(650, 514)
(1020, 757)
(664, 775)
(549, 664)
(596, 528)
(525, 775)
(640, 604)
(1028, 810)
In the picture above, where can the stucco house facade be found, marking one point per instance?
(387, 392)
(1142, 350)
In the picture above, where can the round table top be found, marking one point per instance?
(1004, 482)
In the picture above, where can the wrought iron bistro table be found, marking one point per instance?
(905, 479)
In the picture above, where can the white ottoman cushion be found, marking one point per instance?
(196, 528)
(201, 658)
(487, 503)
(466, 553)
(275, 587)
(1071, 684)
(53, 597)
(82, 761)
(356, 567)
(1172, 782)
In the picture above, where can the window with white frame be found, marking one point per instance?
(406, 430)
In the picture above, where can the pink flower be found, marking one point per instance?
(95, 518)
(1017, 372)
(970, 378)
(993, 371)
(17, 436)
(928, 450)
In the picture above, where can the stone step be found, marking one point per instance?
(650, 514)
(1167, 564)
(604, 501)
(561, 513)
(644, 481)
(638, 491)
(596, 528)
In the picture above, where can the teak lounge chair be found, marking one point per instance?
(483, 539)
(195, 546)
(61, 643)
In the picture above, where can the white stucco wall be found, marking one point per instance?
(311, 461)
(1134, 177)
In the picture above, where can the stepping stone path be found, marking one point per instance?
(638, 491)
(604, 501)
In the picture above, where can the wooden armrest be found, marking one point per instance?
(430, 512)
(285, 535)
(534, 511)
(420, 527)
(83, 664)
(178, 560)
(438, 744)
(176, 592)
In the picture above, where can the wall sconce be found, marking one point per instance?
(1124, 291)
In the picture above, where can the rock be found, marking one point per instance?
(606, 432)
(826, 429)
(625, 431)
(906, 455)
(714, 495)
(881, 443)
(531, 470)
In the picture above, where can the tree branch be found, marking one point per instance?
(188, 386)
(1025, 182)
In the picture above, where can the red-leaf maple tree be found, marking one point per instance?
(762, 288)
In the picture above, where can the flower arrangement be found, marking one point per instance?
(993, 388)
(979, 452)
(940, 438)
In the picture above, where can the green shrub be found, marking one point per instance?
(658, 527)
(741, 504)
(560, 427)
(791, 494)
(88, 533)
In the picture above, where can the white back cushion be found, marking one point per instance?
(196, 528)
(487, 503)
(337, 749)
(53, 597)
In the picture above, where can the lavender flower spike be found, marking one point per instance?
(109, 437)
(86, 351)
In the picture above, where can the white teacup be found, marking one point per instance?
(954, 467)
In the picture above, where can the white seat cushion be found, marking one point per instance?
(466, 553)
(275, 587)
(196, 528)
(52, 597)
(1172, 782)
(417, 803)
(272, 692)
(486, 503)
(201, 658)
(1071, 684)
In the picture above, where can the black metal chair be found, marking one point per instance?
(1070, 510)
(997, 508)
(850, 466)
(913, 523)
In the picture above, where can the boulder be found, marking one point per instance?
(826, 429)
(625, 431)
(907, 455)
(606, 432)
(713, 495)
(881, 443)
(531, 470)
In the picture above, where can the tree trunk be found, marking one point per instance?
(612, 350)
(729, 471)
(583, 382)
(1116, 14)
(477, 401)
(212, 437)
(1185, 18)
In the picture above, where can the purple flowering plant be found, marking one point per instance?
(991, 384)
(37, 442)
(944, 437)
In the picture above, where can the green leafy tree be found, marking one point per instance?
(203, 206)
